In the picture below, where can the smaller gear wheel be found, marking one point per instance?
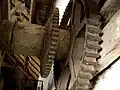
(52, 42)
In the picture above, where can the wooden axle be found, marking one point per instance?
(27, 39)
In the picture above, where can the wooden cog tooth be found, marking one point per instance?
(85, 75)
(93, 37)
(51, 56)
(93, 45)
(52, 52)
(94, 29)
(94, 16)
(88, 68)
(53, 47)
(94, 22)
(83, 81)
(53, 43)
(91, 53)
(89, 61)
(84, 87)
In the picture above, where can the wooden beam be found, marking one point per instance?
(111, 42)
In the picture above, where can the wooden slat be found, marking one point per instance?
(32, 66)
(19, 59)
(32, 73)
(34, 63)
(36, 60)
(26, 75)
(26, 14)
(15, 8)
(22, 57)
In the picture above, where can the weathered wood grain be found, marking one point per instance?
(111, 42)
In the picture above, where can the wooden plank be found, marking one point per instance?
(77, 14)
(64, 78)
(78, 53)
(111, 42)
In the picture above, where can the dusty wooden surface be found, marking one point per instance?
(111, 42)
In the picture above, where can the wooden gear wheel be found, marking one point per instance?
(85, 46)
(51, 46)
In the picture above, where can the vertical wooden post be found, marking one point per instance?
(32, 10)
(1, 77)
(18, 79)
(0, 11)
(1, 83)
(6, 9)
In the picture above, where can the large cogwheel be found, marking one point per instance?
(53, 43)
(90, 52)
